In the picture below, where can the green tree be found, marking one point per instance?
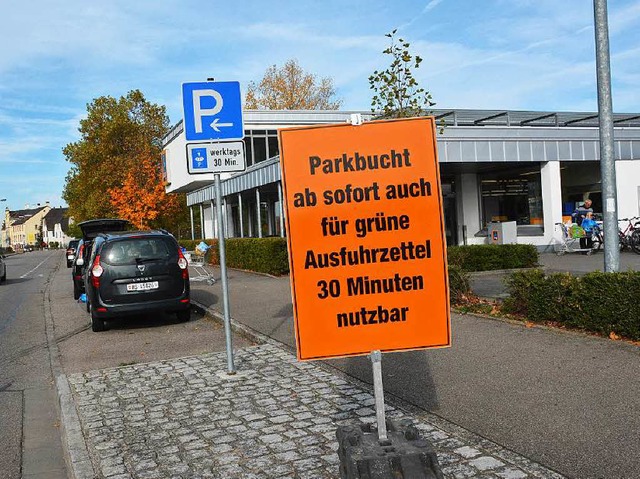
(397, 93)
(290, 88)
(118, 138)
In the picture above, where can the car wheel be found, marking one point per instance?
(69, 264)
(184, 316)
(76, 291)
(97, 324)
(4, 277)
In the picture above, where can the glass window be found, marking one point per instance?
(259, 149)
(273, 146)
(248, 151)
(133, 250)
(513, 197)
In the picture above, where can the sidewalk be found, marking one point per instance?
(185, 418)
(276, 418)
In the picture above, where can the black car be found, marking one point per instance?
(90, 229)
(77, 270)
(136, 272)
(72, 247)
(3, 269)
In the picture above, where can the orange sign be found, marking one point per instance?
(365, 237)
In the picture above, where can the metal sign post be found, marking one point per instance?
(213, 112)
(223, 274)
(378, 391)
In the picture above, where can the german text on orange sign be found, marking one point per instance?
(366, 237)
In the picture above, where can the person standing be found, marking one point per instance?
(582, 212)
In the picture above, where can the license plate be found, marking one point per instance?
(142, 286)
(70, 256)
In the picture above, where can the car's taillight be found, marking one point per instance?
(80, 251)
(183, 264)
(96, 272)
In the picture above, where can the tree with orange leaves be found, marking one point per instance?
(141, 199)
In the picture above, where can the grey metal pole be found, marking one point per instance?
(202, 232)
(240, 213)
(258, 212)
(223, 275)
(213, 218)
(193, 233)
(378, 391)
(281, 209)
(607, 161)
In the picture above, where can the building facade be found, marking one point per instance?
(23, 228)
(531, 168)
(55, 225)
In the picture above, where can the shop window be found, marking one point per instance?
(517, 197)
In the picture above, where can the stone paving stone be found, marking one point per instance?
(182, 419)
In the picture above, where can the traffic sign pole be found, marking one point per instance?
(223, 273)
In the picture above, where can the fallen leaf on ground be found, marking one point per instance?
(613, 336)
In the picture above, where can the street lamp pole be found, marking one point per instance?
(607, 160)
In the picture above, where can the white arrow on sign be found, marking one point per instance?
(215, 125)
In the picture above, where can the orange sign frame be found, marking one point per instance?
(366, 238)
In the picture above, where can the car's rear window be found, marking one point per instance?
(131, 251)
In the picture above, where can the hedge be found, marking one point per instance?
(600, 302)
(263, 255)
(269, 255)
(492, 256)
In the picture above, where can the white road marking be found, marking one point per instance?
(39, 264)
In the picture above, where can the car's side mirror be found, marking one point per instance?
(80, 262)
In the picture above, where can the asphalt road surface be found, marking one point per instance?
(28, 414)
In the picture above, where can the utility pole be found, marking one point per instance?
(607, 161)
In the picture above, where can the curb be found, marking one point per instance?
(77, 457)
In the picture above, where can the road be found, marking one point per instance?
(30, 442)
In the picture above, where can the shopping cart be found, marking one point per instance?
(198, 261)
(570, 236)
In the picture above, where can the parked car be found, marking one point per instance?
(90, 229)
(136, 272)
(77, 270)
(3, 269)
(72, 247)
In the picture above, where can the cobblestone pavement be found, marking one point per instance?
(186, 418)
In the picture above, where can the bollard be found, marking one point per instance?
(403, 455)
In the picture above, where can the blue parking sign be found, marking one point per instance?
(212, 111)
(199, 158)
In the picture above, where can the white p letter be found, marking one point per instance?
(199, 112)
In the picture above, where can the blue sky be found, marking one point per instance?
(58, 55)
